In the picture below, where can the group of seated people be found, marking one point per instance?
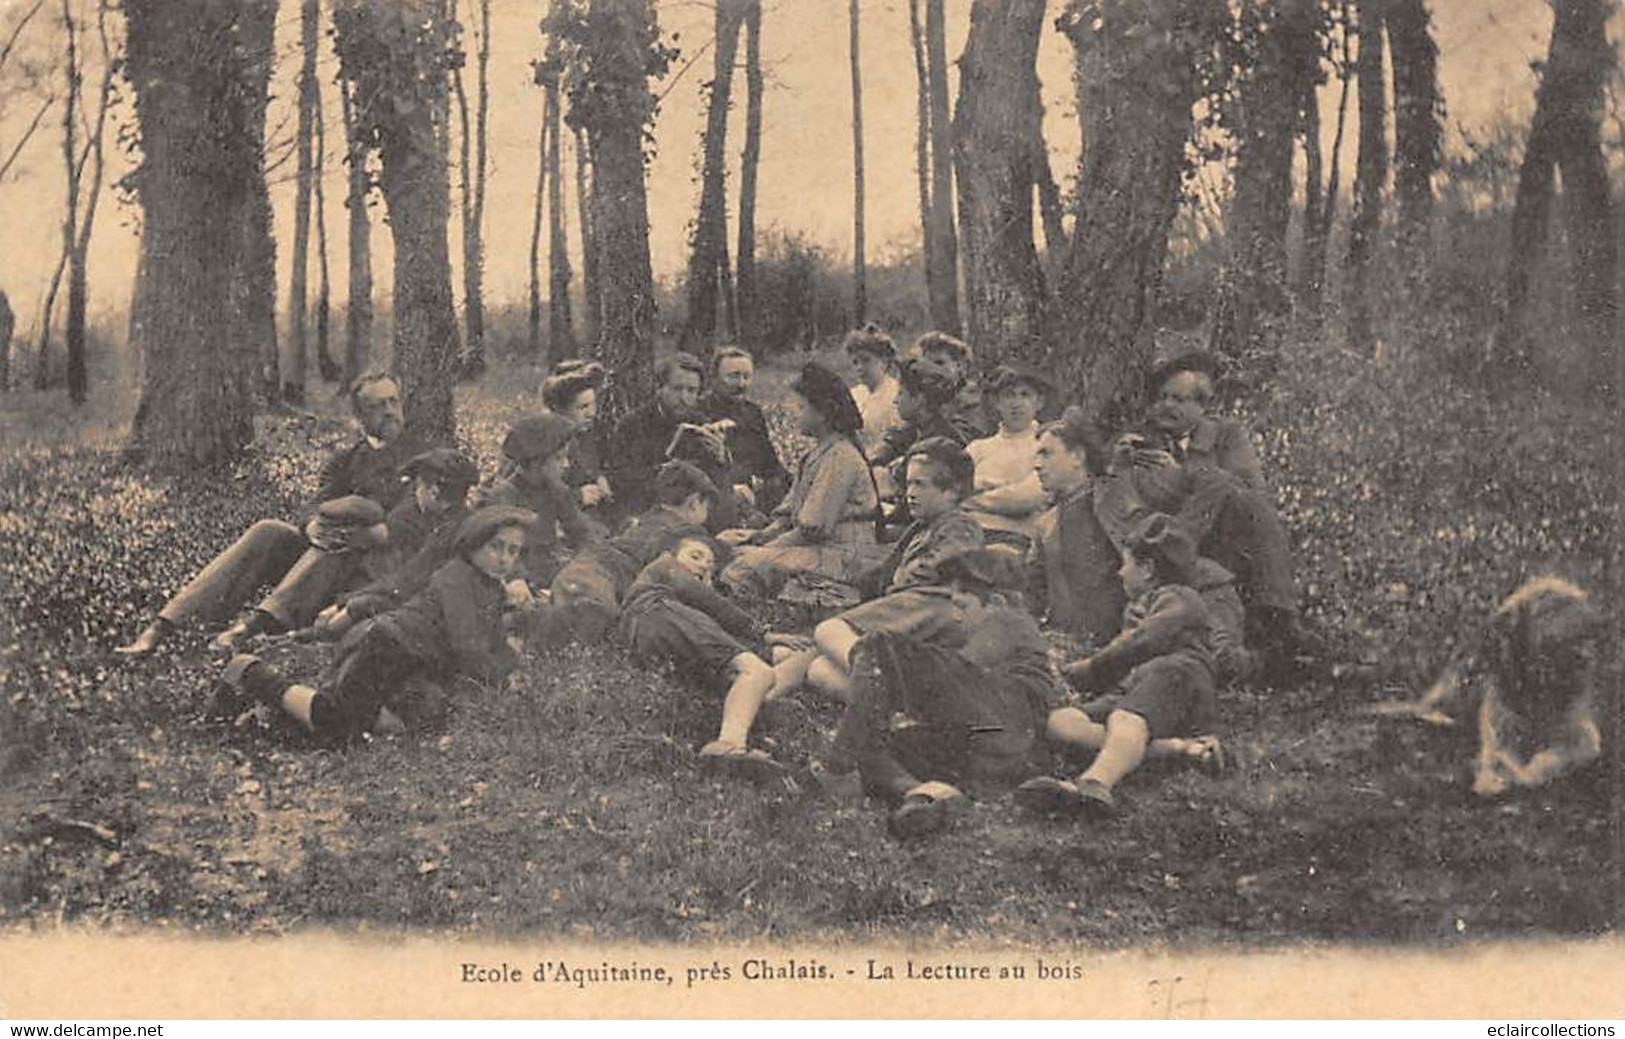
(986, 566)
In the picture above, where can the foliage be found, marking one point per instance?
(607, 54)
(398, 63)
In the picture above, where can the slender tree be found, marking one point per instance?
(397, 55)
(1050, 208)
(472, 163)
(325, 362)
(995, 169)
(1317, 223)
(1140, 65)
(293, 374)
(8, 325)
(1565, 136)
(591, 295)
(533, 324)
(749, 162)
(200, 72)
(79, 260)
(358, 184)
(709, 239)
(1371, 170)
(922, 146)
(860, 275)
(943, 289)
(73, 170)
(1417, 128)
(561, 336)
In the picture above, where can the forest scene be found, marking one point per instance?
(1389, 229)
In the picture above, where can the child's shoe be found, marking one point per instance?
(1047, 795)
(1095, 800)
(926, 809)
(244, 683)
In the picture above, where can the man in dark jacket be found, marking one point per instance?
(645, 436)
(757, 477)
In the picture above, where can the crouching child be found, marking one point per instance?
(397, 667)
(1158, 674)
(673, 615)
(972, 699)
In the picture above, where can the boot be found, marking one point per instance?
(257, 623)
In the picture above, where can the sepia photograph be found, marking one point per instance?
(811, 508)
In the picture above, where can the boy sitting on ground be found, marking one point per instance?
(1163, 663)
(912, 599)
(537, 449)
(975, 695)
(673, 615)
(461, 626)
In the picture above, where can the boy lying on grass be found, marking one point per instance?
(915, 602)
(975, 692)
(394, 669)
(1162, 663)
(673, 615)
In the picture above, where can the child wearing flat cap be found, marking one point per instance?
(537, 447)
(1161, 668)
(462, 625)
(974, 696)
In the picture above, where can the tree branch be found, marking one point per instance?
(17, 30)
(12, 158)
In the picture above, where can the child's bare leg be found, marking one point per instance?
(1073, 728)
(1127, 736)
(753, 678)
(790, 671)
(829, 679)
(835, 639)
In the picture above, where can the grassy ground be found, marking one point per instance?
(576, 806)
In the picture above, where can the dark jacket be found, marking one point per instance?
(456, 623)
(560, 522)
(1072, 570)
(750, 447)
(913, 559)
(371, 472)
(416, 550)
(635, 451)
(899, 441)
(1170, 620)
(1217, 458)
(664, 581)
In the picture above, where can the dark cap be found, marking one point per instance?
(928, 379)
(1013, 373)
(446, 468)
(871, 339)
(826, 392)
(352, 510)
(676, 480)
(538, 437)
(1160, 537)
(995, 566)
(483, 525)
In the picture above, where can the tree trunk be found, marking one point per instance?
(710, 223)
(1317, 223)
(561, 336)
(944, 289)
(533, 326)
(72, 167)
(1050, 209)
(200, 72)
(293, 376)
(358, 311)
(860, 274)
(325, 363)
(1314, 182)
(922, 148)
(591, 292)
(396, 51)
(994, 169)
(1137, 76)
(1417, 111)
(8, 324)
(750, 158)
(472, 187)
(1568, 106)
(1252, 288)
(79, 263)
(1371, 173)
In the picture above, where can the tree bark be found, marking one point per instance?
(197, 99)
(860, 273)
(79, 263)
(1565, 134)
(1317, 224)
(1417, 112)
(73, 168)
(561, 336)
(922, 146)
(1050, 208)
(1371, 172)
(1252, 288)
(325, 363)
(8, 324)
(358, 310)
(591, 292)
(750, 158)
(710, 222)
(396, 51)
(471, 161)
(943, 289)
(533, 326)
(994, 165)
(293, 376)
(1137, 72)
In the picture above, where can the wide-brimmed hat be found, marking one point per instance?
(826, 391)
(445, 467)
(871, 339)
(927, 379)
(1014, 373)
(1161, 538)
(537, 437)
(996, 566)
(483, 525)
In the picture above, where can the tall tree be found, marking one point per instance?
(293, 374)
(1264, 122)
(561, 336)
(79, 259)
(1417, 111)
(709, 238)
(473, 165)
(1140, 65)
(1565, 136)
(922, 146)
(591, 295)
(533, 320)
(860, 274)
(750, 158)
(397, 54)
(1370, 171)
(995, 169)
(200, 72)
(325, 363)
(613, 51)
(358, 183)
(1320, 206)
(943, 289)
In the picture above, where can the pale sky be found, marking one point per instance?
(806, 167)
